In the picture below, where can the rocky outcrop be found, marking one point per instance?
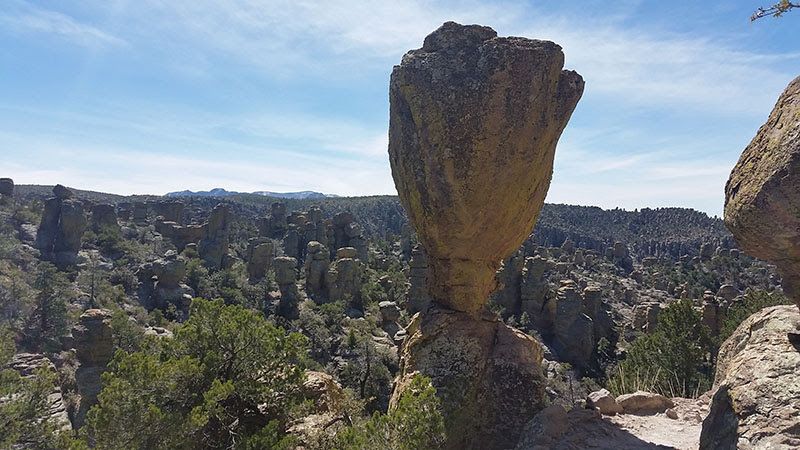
(462, 177)
(214, 246)
(104, 216)
(61, 228)
(260, 252)
(171, 211)
(757, 399)
(26, 364)
(761, 196)
(274, 225)
(6, 187)
(487, 375)
(316, 270)
(343, 278)
(345, 232)
(573, 330)
(286, 278)
(139, 214)
(94, 347)
(474, 121)
(162, 284)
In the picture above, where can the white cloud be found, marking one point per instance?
(22, 17)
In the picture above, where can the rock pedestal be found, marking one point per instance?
(487, 375)
(474, 122)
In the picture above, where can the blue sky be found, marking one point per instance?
(154, 96)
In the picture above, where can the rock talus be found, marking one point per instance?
(474, 122)
(762, 195)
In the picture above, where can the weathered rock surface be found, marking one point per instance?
(104, 217)
(61, 228)
(474, 122)
(94, 347)
(316, 269)
(7, 187)
(214, 246)
(286, 278)
(761, 196)
(487, 375)
(757, 401)
(26, 364)
(417, 294)
(260, 252)
(171, 211)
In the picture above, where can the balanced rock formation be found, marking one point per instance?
(7, 187)
(757, 399)
(761, 196)
(474, 122)
(171, 211)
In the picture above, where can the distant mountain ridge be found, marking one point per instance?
(220, 192)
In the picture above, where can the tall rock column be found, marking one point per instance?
(762, 196)
(474, 122)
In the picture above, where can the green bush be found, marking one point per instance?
(415, 424)
(228, 379)
(673, 361)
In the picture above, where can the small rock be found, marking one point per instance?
(604, 402)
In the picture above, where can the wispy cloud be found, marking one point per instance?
(23, 17)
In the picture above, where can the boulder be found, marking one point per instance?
(346, 252)
(171, 211)
(641, 402)
(762, 195)
(473, 184)
(170, 270)
(62, 193)
(757, 399)
(604, 402)
(7, 187)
